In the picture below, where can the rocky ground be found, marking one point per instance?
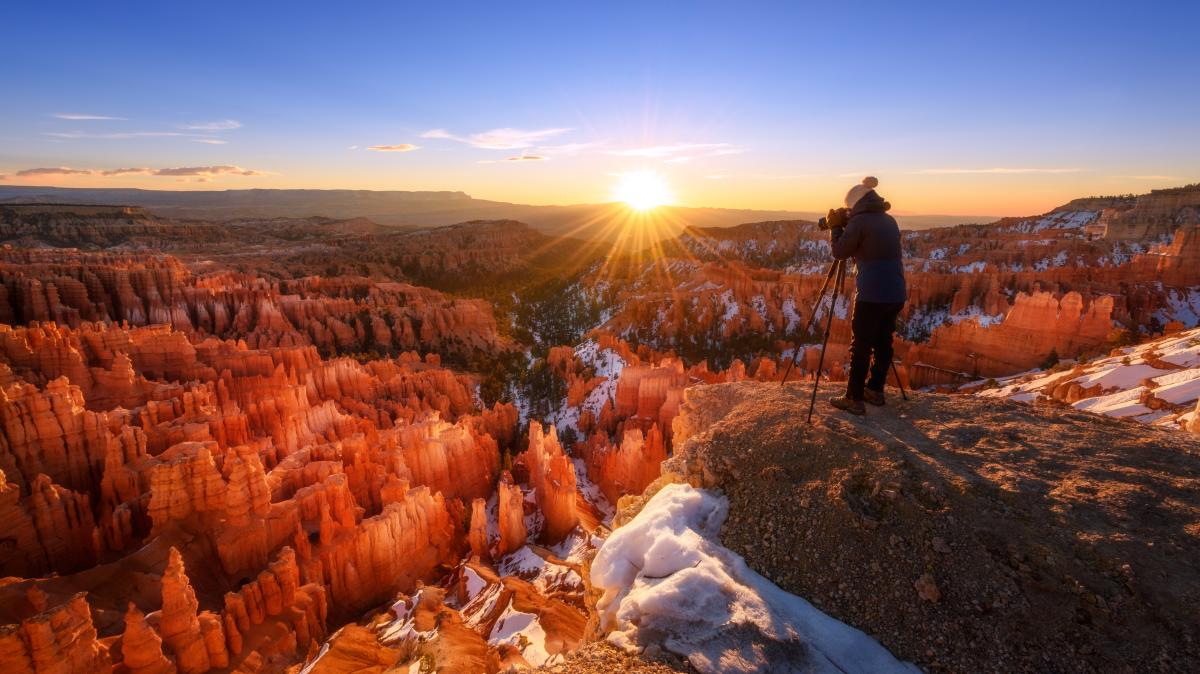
(963, 534)
(602, 658)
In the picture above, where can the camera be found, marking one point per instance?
(837, 217)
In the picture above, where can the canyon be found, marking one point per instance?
(300, 443)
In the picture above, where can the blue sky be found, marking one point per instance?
(997, 108)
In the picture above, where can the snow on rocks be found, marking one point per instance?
(666, 580)
(1157, 383)
(524, 632)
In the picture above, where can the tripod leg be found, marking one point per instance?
(841, 275)
(899, 382)
(812, 316)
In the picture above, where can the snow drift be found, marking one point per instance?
(668, 581)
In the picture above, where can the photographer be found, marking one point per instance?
(863, 230)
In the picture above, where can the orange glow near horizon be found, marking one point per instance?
(557, 183)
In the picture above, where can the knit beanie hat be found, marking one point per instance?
(860, 190)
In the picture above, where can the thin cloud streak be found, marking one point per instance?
(499, 139)
(515, 158)
(85, 118)
(52, 171)
(75, 135)
(401, 147)
(173, 172)
(220, 125)
(210, 141)
(208, 171)
(127, 171)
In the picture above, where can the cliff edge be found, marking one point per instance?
(962, 534)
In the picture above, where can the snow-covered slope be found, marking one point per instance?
(667, 579)
(1156, 383)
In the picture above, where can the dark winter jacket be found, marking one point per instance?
(872, 238)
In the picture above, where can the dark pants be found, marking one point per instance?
(873, 325)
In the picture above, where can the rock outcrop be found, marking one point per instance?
(903, 524)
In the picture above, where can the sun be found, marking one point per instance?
(642, 190)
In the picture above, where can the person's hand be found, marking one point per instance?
(835, 233)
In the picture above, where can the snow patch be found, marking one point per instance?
(666, 579)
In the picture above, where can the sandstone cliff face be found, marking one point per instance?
(1153, 215)
(1036, 326)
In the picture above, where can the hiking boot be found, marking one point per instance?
(850, 405)
(876, 398)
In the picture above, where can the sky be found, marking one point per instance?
(997, 108)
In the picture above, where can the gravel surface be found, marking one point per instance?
(602, 658)
(965, 535)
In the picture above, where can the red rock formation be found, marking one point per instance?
(627, 468)
(141, 647)
(477, 536)
(328, 313)
(383, 554)
(179, 622)
(1037, 325)
(552, 477)
(511, 521)
(61, 640)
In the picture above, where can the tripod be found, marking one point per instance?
(836, 274)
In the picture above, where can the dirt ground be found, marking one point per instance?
(966, 535)
(602, 658)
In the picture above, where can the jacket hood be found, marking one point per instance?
(871, 202)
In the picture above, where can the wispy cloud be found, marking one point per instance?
(402, 147)
(182, 171)
(207, 171)
(84, 118)
(52, 171)
(994, 170)
(219, 125)
(500, 139)
(524, 157)
(127, 171)
(117, 136)
(210, 141)
(677, 151)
